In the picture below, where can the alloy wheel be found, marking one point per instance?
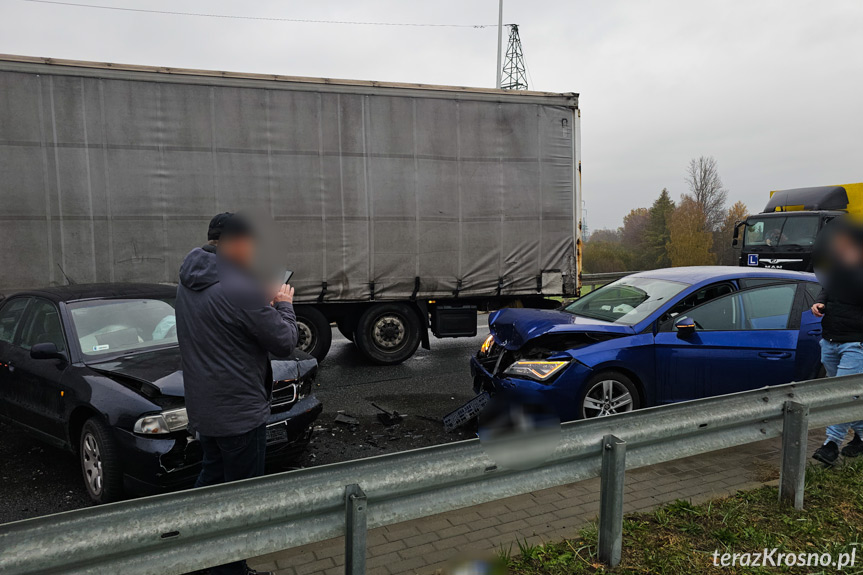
(607, 397)
(91, 460)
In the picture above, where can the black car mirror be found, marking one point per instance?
(46, 351)
(735, 240)
(685, 327)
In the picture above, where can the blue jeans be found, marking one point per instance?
(842, 359)
(231, 459)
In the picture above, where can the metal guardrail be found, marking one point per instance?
(185, 531)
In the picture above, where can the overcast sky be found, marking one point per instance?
(771, 88)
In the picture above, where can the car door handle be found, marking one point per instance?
(775, 354)
(813, 332)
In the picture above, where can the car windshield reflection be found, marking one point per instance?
(627, 301)
(112, 326)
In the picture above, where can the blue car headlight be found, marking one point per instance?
(537, 370)
(487, 345)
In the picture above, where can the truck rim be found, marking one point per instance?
(389, 332)
(306, 336)
(607, 397)
(91, 460)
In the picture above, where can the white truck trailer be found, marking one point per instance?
(405, 208)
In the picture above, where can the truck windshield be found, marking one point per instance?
(781, 231)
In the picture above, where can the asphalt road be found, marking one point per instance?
(36, 479)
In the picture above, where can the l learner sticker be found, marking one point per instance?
(752, 259)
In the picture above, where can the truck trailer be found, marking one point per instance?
(783, 235)
(403, 209)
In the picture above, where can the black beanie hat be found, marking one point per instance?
(216, 224)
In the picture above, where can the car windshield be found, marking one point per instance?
(111, 326)
(781, 231)
(627, 301)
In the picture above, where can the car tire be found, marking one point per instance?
(100, 462)
(313, 329)
(602, 393)
(389, 333)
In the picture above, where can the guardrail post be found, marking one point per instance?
(611, 500)
(792, 474)
(355, 530)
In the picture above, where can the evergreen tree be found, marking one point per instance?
(657, 234)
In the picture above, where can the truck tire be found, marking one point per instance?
(100, 462)
(315, 334)
(388, 333)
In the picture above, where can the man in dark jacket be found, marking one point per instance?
(226, 327)
(839, 265)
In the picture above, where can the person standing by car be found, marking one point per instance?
(226, 327)
(839, 266)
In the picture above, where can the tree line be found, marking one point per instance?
(695, 230)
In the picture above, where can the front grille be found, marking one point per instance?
(288, 392)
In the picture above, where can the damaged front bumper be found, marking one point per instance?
(154, 465)
(557, 396)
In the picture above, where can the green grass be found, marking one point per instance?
(680, 538)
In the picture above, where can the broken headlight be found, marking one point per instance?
(487, 345)
(162, 423)
(537, 370)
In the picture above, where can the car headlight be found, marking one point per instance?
(537, 370)
(486, 345)
(162, 423)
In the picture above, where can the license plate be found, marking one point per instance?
(466, 412)
(276, 434)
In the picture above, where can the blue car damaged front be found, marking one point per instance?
(619, 348)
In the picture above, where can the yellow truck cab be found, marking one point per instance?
(783, 234)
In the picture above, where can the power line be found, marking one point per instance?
(263, 18)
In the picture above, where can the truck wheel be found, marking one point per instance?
(347, 325)
(100, 463)
(315, 334)
(388, 333)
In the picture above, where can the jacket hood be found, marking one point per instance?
(199, 270)
(512, 328)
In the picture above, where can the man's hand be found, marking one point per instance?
(285, 293)
(818, 310)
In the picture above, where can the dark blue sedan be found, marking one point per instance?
(656, 337)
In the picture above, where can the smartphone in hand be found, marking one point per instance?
(288, 275)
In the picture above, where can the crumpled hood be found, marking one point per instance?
(159, 372)
(199, 270)
(512, 328)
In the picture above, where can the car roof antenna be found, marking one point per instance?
(69, 281)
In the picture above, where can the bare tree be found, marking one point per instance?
(702, 175)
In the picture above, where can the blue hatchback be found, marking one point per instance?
(656, 337)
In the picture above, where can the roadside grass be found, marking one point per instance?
(680, 538)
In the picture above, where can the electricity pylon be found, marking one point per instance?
(514, 72)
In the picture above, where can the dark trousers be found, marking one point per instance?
(231, 459)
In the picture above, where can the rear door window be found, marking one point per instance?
(10, 317)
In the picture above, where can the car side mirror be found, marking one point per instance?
(46, 351)
(685, 327)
